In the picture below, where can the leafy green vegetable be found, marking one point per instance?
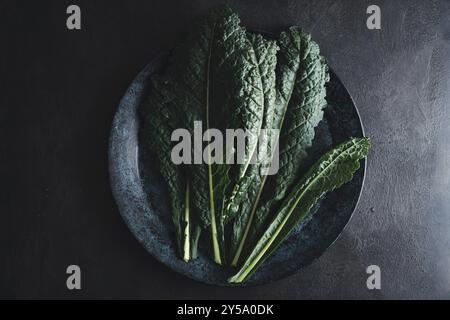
(229, 78)
(259, 97)
(265, 58)
(331, 171)
(217, 81)
(262, 60)
(160, 119)
(300, 98)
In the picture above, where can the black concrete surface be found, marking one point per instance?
(59, 90)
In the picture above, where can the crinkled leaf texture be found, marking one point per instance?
(159, 120)
(331, 171)
(244, 191)
(214, 79)
(301, 74)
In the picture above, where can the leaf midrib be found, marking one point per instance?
(217, 257)
(263, 182)
(279, 228)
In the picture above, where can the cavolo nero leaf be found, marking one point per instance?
(262, 58)
(215, 82)
(193, 67)
(159, 120)
(331, 171)
(301, 74)
(303, 91)
(264, 52)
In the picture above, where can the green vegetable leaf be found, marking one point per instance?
(216, 81)
(159, 120)
(264, 52)
(263, 59)
(300, 97)
(302, 74)
(331, 171)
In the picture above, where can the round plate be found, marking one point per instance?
(142, 198)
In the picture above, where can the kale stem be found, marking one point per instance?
(187, 227)
(215, 241)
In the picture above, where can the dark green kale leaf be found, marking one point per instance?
(300, 97)
(264, 52)
(159, 120)
(216, 81)
(331, 171)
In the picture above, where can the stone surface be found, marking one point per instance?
(61, 89)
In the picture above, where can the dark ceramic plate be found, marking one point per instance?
(142, 197)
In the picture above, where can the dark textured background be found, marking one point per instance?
(59, 90)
